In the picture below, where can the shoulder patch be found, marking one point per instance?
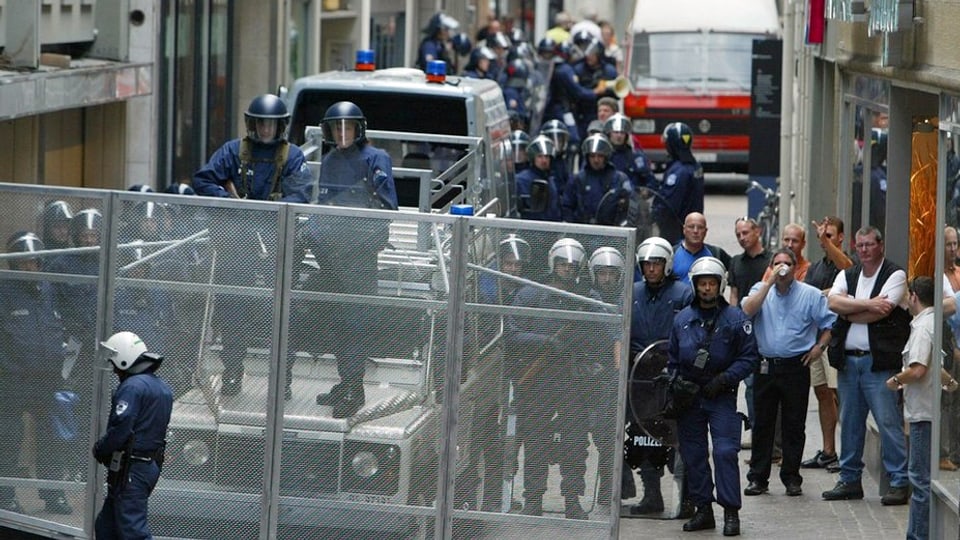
(747, 327)
(121, 408)
(671, 180)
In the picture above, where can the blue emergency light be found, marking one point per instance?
(366, 60)
(461, 210)
(436, 71)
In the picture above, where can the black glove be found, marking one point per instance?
(713, 388)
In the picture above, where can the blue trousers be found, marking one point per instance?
(124, 513)
(719, 416)
(861, 391)
(918, 526)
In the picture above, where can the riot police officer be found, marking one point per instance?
(625, 157)
(592, 71)
(537, 189)
(262, 165)
(656, 301)
(562, 163)
(436, 42)
(607, 268)
(519, 141)
(598, 194)
(712, 345)
(55, 225)
(354, 174)
(132, 446)
(681, 190)
(539, 362)
(31, 341)
(479, 64)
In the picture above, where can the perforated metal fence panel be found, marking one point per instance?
(338, 373)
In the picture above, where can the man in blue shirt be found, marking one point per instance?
(693, 247)
(793, 328)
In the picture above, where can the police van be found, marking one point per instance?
(448, 137)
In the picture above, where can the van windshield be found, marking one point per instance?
(692, 59)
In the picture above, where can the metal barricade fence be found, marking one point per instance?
(259, 308)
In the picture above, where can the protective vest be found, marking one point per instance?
(247, 160)
(887, 336)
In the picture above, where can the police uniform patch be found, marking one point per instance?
(671, 180)
(747, 327)
(121, 407)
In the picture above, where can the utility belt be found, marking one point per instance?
(155, 455)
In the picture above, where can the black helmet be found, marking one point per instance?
(23, 242)
(547, 46)
(178, 188)
(479, 53)
(558, 132)
(597, 144)
(677, 139)
(441, 21)
(88, 219)
(517, 73)
(266, 107)
(56, 212)
(461, 43)
(498, 40)
(339, 112)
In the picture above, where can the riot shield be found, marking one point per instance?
(650, 446)
(539, 86)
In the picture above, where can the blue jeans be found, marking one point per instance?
(862, 391)
(918, 527)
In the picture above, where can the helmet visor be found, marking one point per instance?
(266, 129)
(343, 131)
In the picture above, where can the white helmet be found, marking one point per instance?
(709, 266)
(516, 247)
(124, 349)
(567, 249)
(605, 256)
(656, 248)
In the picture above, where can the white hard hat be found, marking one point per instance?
(124, 348)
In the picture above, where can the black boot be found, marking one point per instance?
(334, 395)
(350, 402)
(652, 501)
(702, 519)
(731, 522)
(572, 508)
(533, 506)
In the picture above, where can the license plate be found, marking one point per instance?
(705, 157)
(644, 125)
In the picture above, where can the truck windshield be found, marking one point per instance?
(692, 59)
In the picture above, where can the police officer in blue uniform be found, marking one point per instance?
(519, 142)
(132, 446)
(479, 64)
(562, 163)
(592, 71)
(657, 299)
(434, 45)
(516, 93)
(607, 268)
(539, 361)
(537, 190)
(712, 345)
(262, 165)
(55, 224)
(681, 190)
(31, 341)
(355, 174)
(599, 193)
(254, 167)
(75, 300)
(566, 93)
(625, 157)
